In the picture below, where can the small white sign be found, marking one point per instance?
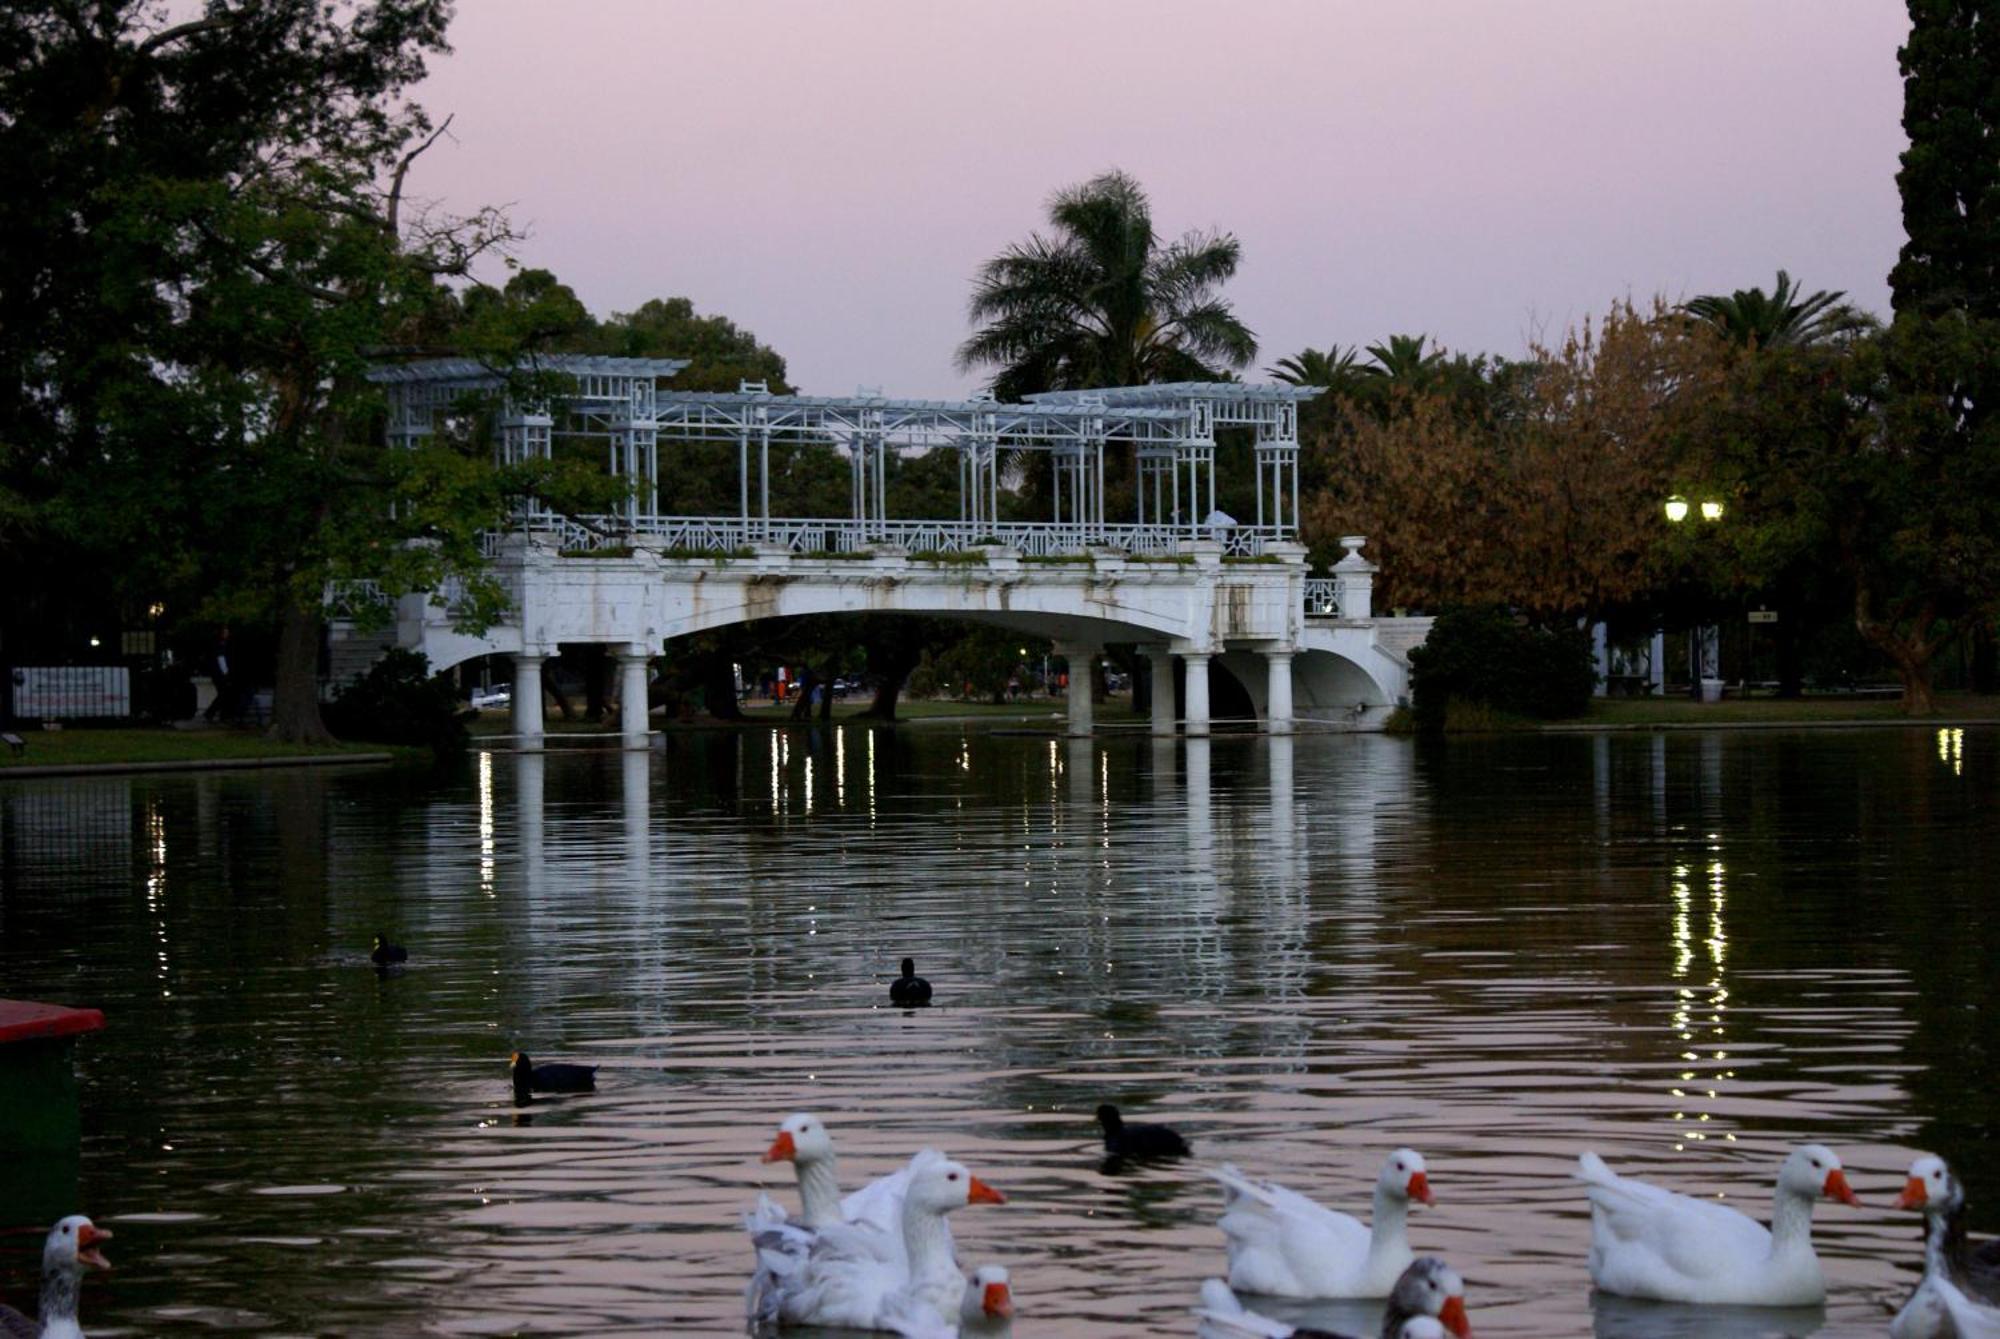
(1763, 616)
(64, 692)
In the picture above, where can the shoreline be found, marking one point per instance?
(33, 771)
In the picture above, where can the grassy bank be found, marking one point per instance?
(1678, 713)
(97, 748)
(1828, 710)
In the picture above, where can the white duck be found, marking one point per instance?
(1284, 1245)
(851, 1275)
(1428, 1302)
(1957, 1296)
(1651, 1243)
(70, 1248)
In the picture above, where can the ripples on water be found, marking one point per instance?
(1684, 951)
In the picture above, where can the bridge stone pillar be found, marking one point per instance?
(1356, 575)
(1161, 660)
(632, 704)
(1197, 691)
(527, 703)
(1079, 657)
(1278, 692)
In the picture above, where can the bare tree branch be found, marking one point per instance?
(392, 214)
(184, 30)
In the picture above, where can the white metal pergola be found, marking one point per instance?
(1170, 428)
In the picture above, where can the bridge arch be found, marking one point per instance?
(1096, 614)
(1327, 685)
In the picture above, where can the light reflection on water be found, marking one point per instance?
(1302, 952)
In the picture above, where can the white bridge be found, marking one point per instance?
(1178, 579)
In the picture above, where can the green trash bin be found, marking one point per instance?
(41, 1129)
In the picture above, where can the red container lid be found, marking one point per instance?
(25, 1020)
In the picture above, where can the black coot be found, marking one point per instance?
(909, 988)
(530, 1077)
(386, 953)
(1138, 1141)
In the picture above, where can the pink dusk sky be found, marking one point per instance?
(831, 175)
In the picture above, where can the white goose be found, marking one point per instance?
(70, 1248)
(851, 1275)
(1284, 1245)
(1952, 1300)
(1428, 1302)
(985, 1309)
(781, 1241)
(1953, 1315)
(803, 1141)
(1651, 1243)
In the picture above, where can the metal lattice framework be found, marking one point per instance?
(1170, 428)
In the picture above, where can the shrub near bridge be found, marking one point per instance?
(399, 701)
(1490, 658)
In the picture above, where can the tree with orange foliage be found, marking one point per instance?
(1545, 500)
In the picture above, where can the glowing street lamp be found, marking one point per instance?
(1704, 649)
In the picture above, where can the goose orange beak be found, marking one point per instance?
(782, 1148)
(1419, 1189)
(87, 1238)
(1836, 1188)
(1452, 1317)
(997, 1301)
(981, 1193)
(1914, 1195)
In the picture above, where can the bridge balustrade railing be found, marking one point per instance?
(352, 599)
(734, 535)
(1322, 597)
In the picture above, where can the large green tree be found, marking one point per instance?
(1950, 175)
(1773, 550)
(220, 249)
(1944, 368)
(1100, 301)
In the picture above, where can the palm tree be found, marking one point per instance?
(1403, 359)
(1786, 317)
(1099, 302)
(1332, 366)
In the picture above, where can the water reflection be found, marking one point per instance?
(1697, 1019)
(488, 850)
(1951, 749)
(1626, 1318)
(1303, 952)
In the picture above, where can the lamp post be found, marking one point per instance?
(1704, 641)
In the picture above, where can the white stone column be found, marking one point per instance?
(1162, 662)
(632, 704)
(1196, 663)
(1278, 692)
(1079, 658)
(527, 704)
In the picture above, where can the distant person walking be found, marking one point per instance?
(223, 706)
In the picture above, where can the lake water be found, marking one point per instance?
(1685, 951)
